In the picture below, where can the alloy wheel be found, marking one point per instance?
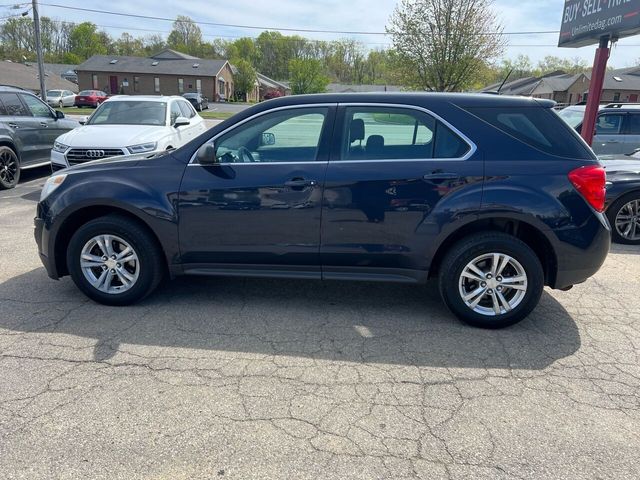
(8, 167)
(628, 220)
(110, 264)
(493, 284)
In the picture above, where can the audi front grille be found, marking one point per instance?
(81, 155)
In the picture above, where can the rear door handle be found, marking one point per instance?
(441, 176)
(44, 124)
(299, 183)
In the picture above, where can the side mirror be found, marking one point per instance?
(180, 121)
(268, 139)
(83, 120)
(206, 154)
(59, 114)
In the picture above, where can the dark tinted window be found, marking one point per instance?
(538, 127)
(13, 105)
(395, 133)
(633, 124)
(3, 111)
(37, 107)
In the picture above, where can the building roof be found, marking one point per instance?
(168, 54)
(267, 82)
(60, 68)
(170, 66)
(620, 80)
(346, 88)
(26, 76)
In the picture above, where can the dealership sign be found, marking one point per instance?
(584, 22)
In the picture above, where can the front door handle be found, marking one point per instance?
(14, 125)
(44, 124)
(440, 175)
(299, 183)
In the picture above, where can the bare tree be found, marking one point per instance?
(443, 44)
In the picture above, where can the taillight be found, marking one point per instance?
(590, 182)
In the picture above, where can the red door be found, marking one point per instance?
(113, 84)
(633, 98)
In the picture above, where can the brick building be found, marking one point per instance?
(166, 73)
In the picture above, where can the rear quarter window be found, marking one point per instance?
(538, 127)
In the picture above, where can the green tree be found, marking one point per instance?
(244, 79)
(186, 36)
(243, 48)
(129, 45)
(85, 41)
(553, 64)
(307, 76)
(443, 44)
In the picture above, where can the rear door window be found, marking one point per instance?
(396, 133)
(538, 127)
(633, 124)
(609, 124)
(13, 105)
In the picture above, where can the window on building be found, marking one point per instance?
(136, 84)
(156, 84)
(181, 85)
(94, 81)
(616, 97)
(198, 85)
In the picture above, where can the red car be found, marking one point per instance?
(90, 98)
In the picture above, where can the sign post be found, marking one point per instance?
(589, 22)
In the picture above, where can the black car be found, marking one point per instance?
(496, 197)
(197, 100)
(623, 197)
(28, 129)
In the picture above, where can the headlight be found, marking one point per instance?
(143, 148)
(51, 184)
(60, 147)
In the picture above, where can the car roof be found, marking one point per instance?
(413, 98)
(13, 88)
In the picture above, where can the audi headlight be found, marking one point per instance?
(143, 148)
(60, 147)
(51, 184)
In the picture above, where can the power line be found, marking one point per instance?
(257, 27)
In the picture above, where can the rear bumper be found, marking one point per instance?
(582, 251)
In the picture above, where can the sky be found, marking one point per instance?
(343, 15)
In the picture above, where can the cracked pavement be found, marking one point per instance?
(258, 379)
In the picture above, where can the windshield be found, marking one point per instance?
(54, 93)
(133, 112)
(573, 116)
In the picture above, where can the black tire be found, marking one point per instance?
(474, 246)
(9, 168)
(612, 213)
(151, 258)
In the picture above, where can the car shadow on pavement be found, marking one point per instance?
(334, 321)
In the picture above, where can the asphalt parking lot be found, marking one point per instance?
(260, 379)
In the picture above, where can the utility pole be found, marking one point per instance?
(36, 24)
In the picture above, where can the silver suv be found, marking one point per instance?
(617, 127)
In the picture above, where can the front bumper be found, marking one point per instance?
(47, 258)
(58, 161)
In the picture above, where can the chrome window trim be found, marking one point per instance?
(252, 117)
(472, 146)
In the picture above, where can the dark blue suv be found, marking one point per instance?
(494, 196)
